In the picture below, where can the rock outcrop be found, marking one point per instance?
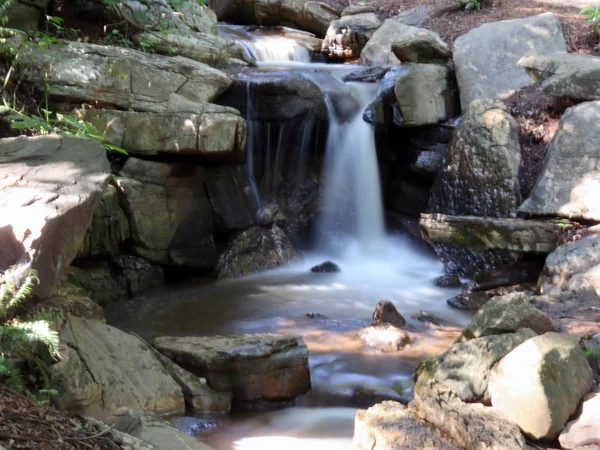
(540, 384)
(45, 214)
(347, 36)
(390, 425)
(120, 77)
(570, 193)
(255, 250)
(103, 368)
(569, 74)
(254, 368)
(485, 74)
(421, 46)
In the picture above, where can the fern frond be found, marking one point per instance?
(24, 337)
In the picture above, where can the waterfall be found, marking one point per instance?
(352, 207)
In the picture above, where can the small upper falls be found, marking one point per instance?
(271, 44)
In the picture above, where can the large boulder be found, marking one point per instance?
(305, 15)
(254, 368)
(584, 429)
(391, 425)
(422, 46)
(217, 133)
(570, 193)
(464, 369)
(571, 267)
(279, 95)
(74, 300)
(485, 74)
(347, 36)
(151, 428)
(507, 314)
(49, 187)
(569, 74)
(103, 368)
(182, 15)
(203, 47)
(255, 250)
(169, 212)
(424, 94)
(109, 228)
(114, 76)
(540, 384)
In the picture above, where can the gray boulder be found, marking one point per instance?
(421, 46)
(304, 15)
(358, 8)
(109, 228)
(481, 173)
(203, 47)
(507, 314)
(570, 193)
(26, 15)
(214, 133)
(49, 188)
(169, 212)
(120, 77)
(254, 368)
(378, 50)
(540, 384)
(465, 368)
(424, 94)
(391, 425)
(570, 264)
(485, 74)
(347, 36)
(572, 75)
(103, 368)
(256, 250)
(153, 429)
(74, 300)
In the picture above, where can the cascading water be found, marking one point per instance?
(352, 205)
(351, 231)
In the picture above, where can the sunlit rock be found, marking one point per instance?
(540, 384)
(485, 74)
(390, 425)
(384, 337)
(572, 193)
(49, 187)
(120, 77)
(584, 429)
(421, 46)
(347, 36)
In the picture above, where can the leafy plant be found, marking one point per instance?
(24, 342)
(473, 5)
(593, 15)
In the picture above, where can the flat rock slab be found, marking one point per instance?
(104, 368)
(485, 74)
(572, 75)
(578, 314)
(571, 193)
(214, 134)
(259, 367)
(120, 77)
(49, 187)
(391, 425)
(486, 233)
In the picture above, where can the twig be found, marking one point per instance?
(102, 433)
(22, 438)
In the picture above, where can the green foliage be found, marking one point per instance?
(593, 15)
(593, 353)
(24, 342)
(473, 5)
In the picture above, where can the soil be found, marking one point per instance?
(25, 425)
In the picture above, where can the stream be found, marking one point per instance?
(327, 310)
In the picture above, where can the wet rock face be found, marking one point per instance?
(45, 215)
(540, 384)
(386, 312)
(384, 337)
(255, 250)
(347, 36)
(284, 95)
(254, 368)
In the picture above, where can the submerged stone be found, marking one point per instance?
(326, 267)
